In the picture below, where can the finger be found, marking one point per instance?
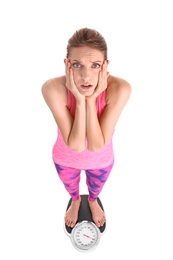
(71, 77)
(66, 62)
(68, 73)
(71, 80)
(103, 74)
(105, 65)
(100, 79)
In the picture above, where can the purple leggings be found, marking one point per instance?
(95, 179)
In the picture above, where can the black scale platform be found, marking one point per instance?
(84, 213)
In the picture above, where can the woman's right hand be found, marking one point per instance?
(70, 84)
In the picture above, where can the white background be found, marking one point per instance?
(138, 195)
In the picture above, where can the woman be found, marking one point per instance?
(86, 104)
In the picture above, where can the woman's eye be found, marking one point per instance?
(76, 65)
(96, 66)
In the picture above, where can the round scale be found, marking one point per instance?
(85, 235)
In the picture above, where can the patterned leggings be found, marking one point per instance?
(95, 179)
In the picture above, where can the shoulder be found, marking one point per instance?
(53, 84)
(116, 84)
(55, 89)
(118, 88)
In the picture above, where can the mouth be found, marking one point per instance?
(86, 86)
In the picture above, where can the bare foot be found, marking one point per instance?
(98, 214)
(71, 215)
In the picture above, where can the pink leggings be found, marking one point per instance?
(95, 179)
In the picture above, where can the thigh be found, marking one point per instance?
(68, 174)
(99, 175)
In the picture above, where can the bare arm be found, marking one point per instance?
(77, 136)
(73, 130)
(100, 131)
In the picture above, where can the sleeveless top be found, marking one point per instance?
(65, 156)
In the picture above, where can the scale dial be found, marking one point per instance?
(85, 235)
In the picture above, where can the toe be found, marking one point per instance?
(72, 224)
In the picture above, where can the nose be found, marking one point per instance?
(85, 75)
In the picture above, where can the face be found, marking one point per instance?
(86, 63)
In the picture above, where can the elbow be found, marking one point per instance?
(95, 148)
(75, 144)
(76, 148)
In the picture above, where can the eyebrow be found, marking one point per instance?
(97, 61)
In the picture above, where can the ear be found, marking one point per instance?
(107, 62)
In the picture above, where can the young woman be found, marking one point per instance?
(86, 104)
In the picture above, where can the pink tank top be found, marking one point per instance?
(65, 156)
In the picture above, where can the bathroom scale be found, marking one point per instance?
(85, 235)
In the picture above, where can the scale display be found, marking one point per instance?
(85, 235)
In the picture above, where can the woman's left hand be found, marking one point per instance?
(102, 81)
